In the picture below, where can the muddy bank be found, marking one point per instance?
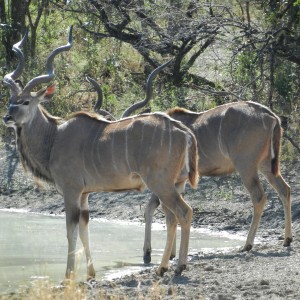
(269, 271)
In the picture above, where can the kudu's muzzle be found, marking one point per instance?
(8, 119)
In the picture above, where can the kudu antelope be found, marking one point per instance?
(240, 136)
(87, 153)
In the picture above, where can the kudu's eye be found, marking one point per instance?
(25, 102)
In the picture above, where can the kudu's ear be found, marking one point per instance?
(50, 90)
(19, 84)
(46, 94)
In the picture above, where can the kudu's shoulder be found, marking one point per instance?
(150, 118)
(180, 111)
(183, 115)
(87, 116)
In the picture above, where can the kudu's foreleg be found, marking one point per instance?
(183, 214)
(171, 223)
(84, 234)
(149, 211)
(72, 208)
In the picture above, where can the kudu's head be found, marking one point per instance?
(23, 103)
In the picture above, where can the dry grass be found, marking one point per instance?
(72, 290)
(43, 289)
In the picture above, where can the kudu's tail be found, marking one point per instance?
(193, 161)
(276, 144)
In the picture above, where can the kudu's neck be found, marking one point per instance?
(34, 143)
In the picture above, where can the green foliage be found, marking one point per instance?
(245, 67)
(121, 70)
(287, 79)
(110, 99)
(288, 153)
(283, 81)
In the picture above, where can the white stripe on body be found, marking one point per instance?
(126, 145)
(114, 164)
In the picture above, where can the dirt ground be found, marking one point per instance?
(269, 271)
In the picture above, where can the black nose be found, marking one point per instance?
(7, 118)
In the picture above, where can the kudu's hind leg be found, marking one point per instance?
(149, 211)
(171, 223)
(284, 192)
(180, 187)
(84, 234)
(183, 214)
(258, 197)
(147, 249)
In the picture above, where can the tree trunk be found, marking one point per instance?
(18, 13)
(5, 34)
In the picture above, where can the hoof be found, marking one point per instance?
(67, 282)
(161, 271)
(287, 242)
(147, 257)
(91, 274)
(179, 270)
(172, 257)
(91, 283)
(90, 278)
(69, 277)
(246, 248)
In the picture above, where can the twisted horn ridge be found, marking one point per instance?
(10, 78)
(49, 66)
(98, 105)
(149, 91)
(98, 89)
(16, 48)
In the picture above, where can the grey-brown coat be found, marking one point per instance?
(87, 153)
(241, 136)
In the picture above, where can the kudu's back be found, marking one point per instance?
(225, 133)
